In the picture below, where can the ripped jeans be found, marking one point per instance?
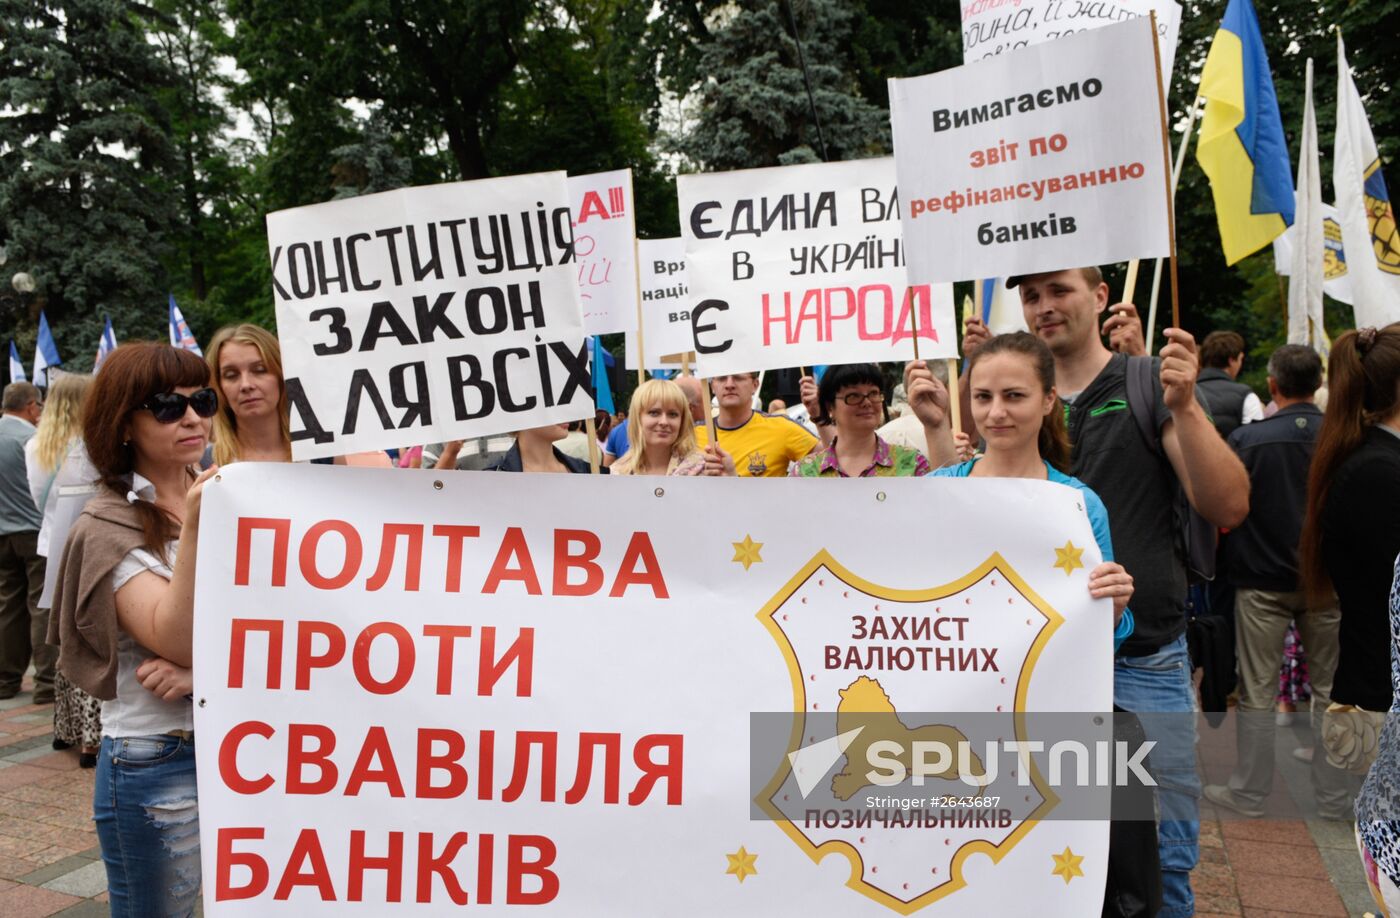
(147, 817)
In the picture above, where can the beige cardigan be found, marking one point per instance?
(83, 623)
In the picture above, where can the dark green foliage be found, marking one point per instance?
(143, 143)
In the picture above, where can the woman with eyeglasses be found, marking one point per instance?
(851, 399)
(123, 618)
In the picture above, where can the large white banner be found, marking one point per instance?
(604, 238)
(991, 27)
(1044, 158)
(475, 688)
(666, 330)
(429, 314)
(803, 265)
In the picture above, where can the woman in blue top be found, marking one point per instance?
(1021, 419)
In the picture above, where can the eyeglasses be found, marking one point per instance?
(169, 407)
(855, 398)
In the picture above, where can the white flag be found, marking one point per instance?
(1369, 235)
(1305, 292)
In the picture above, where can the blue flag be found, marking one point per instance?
(180, 334)
(16, 368)
(602, 389)
(45, 353)
(105, 345)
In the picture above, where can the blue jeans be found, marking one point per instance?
(1156, 685)
(147, 819)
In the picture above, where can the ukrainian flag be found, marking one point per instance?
(1242, 148)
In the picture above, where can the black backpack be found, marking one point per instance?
(1197, 534)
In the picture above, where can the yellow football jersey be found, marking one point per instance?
(762, 446)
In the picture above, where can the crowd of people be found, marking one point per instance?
(103, 480)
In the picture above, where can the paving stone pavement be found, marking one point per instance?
(50, 864)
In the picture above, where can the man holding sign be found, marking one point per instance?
(1138, 482)
(762, 444)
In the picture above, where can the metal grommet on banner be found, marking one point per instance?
(437, 485)
(218, 478)
(202, 702)
(1098, 721)
(660, 492)
(880, 495)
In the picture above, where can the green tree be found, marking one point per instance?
(755, 109)
(85, 205)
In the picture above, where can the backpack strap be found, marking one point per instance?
(1142, 401)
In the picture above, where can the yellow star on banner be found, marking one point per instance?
(746, 552)
(741, 864)
(1067, 865)
(1068, 558)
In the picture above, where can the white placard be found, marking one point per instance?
(429, 314)
(803, 265)
(1043, 158)
(373, 673)
(992, 27)
(665, 304)
(604, 235)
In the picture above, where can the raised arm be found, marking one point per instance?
(159, 613)
(1214, 478)
(929, 400)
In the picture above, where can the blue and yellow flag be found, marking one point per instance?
(1242, 148)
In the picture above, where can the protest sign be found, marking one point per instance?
(991, 27)
(801, 265)
(429, 314)
(461, 689)
(665, 304)
(1043, 158)
(604, 238)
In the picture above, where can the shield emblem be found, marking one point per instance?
(873, 667)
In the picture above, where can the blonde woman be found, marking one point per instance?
(662, 436)
(252, 424)
(57, 462)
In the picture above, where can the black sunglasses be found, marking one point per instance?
(169, 407)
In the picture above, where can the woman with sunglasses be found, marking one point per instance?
(123, 618)
(850, 398)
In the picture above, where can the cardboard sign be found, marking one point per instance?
(478, 689)
(604, 238)
(803, 265)
(666, 330)
(429, 314)
(1040, 159)
(992, 27)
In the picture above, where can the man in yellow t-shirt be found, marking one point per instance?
(762, 444)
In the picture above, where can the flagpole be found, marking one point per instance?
(1176, 181)
(1167, 180)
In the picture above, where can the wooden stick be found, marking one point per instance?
(641, 342)
(1167, 170)
(685, 362)
(709, 412)
(590, 428)
(954, 396)
(1130, 281)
